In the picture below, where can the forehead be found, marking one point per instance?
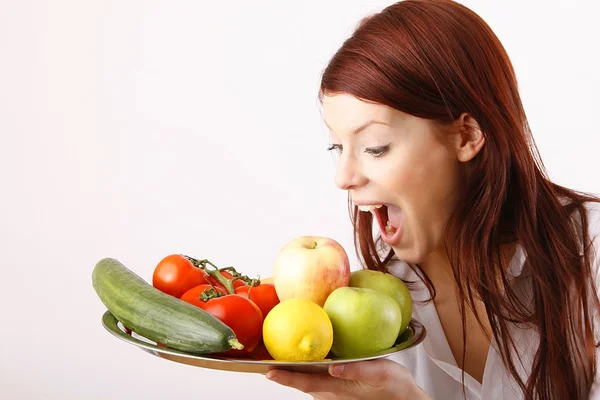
(344, 112)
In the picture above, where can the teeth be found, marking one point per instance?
(370, 207)
(389, 229)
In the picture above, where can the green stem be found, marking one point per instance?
(194, 262)
(204, 261)
(210, 294)
(254, 282)
(245, 278)
(216, 273)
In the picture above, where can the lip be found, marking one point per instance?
(395, 239)
(368, 203)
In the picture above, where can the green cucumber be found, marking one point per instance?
(158, 316)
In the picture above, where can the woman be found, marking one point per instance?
(424, 113)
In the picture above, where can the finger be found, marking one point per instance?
(307, 383)
(374, 372)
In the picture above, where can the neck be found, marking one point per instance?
(438, 268)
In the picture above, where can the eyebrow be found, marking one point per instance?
(362, 127)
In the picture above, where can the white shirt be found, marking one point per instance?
(432, 363)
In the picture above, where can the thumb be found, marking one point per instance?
(373, 372)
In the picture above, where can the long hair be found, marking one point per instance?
(437, 59)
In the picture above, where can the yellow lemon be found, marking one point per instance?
(297, 330)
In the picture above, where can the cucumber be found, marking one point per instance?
(158, 316)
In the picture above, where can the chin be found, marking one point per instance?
(413, 250)
(408, 255)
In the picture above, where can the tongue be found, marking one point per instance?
(394, 215)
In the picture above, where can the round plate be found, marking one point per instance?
(260, 361)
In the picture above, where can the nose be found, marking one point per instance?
(348, 174)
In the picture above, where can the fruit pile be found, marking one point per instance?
(312, 306)
(324, 307)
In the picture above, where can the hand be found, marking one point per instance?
(376, 379)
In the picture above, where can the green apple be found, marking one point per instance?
(364, 321)
(389, 284)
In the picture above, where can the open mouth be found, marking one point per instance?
(385, 226)
(391, 232)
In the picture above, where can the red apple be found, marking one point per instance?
(310, 267)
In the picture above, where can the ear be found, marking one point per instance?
(469, 138)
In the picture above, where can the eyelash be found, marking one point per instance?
(374, 151)
(336, 147)
(377, 151)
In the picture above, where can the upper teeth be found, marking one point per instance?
(370, 207)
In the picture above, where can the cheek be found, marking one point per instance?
(428, 176)
(425, 183)
(419, 175)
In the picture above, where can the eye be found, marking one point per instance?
(377, 151)
(335, 147)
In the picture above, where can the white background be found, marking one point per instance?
(137, 129)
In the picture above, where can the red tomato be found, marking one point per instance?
(259, 353)
(264, 295)
(175, 274)
(243, 291)
(192, 296)
(241, 315)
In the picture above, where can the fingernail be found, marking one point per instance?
(272, 376)
(337, 369)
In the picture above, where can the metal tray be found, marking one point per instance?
(259, 361)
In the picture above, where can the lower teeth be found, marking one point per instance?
(389, 229)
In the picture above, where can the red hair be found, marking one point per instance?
(437, 59)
